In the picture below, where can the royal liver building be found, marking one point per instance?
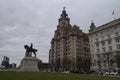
(69, 47)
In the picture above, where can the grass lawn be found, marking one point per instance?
(8, 75)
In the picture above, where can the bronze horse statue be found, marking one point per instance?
(29, 50)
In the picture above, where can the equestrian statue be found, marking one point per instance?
(30, 50)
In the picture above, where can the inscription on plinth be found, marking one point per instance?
(29, 64)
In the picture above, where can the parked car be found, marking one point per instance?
(106, 73)
(111, 73)
(66, 71)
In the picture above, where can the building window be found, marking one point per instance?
(117, 40)
(103, 43)
(117, 33)
(96, 39)
(103, 49)
(99, 56)
(115, 27)
(118, 46)
(96, 34)
(102, 37)
(110, 48)
(105, 63)
(98, 50)
(109, 41)
(104, 56)
(97, 44)
(108, 36)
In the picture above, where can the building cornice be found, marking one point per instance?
(104, 26)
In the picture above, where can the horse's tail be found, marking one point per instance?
(35, 50)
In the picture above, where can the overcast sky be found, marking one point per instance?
(26, 21)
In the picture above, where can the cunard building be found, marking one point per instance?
(105, 47)
(69, 47)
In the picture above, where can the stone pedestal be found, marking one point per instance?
(29, 64)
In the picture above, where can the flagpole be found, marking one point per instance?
(113, 13)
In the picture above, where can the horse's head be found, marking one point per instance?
(26, 46)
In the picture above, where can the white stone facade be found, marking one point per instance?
(104, 45)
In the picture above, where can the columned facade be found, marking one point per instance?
(104, 46)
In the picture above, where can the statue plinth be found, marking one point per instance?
(29, 64)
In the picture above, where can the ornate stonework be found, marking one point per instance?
(69, 47)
